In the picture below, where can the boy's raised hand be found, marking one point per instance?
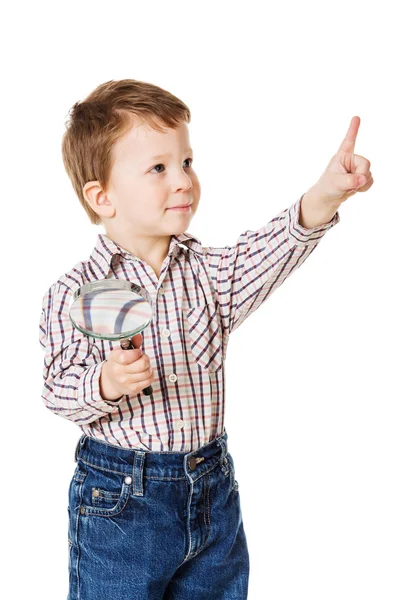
(347, 173)
(125, 371)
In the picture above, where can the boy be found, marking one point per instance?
(154, 508)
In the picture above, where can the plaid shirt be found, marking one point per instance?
(200, 298)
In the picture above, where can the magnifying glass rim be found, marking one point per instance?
(118, 284)
(111, 284)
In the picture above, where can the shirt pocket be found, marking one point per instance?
(205, 336)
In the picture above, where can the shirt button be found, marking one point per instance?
(180, 423)
(161, 291)
(172, 377)
(166, 332)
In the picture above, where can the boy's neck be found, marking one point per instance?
(150, 250)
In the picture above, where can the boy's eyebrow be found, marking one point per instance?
(169, 154)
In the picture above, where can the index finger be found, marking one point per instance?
(350, 138)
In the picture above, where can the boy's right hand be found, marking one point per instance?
(125, 371)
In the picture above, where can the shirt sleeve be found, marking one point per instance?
(246, 274)
(72, 363)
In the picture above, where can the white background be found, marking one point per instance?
(312, 376)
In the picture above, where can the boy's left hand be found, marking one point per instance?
(346, 174)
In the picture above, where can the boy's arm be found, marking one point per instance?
(72, 363)
(313, 212)
(246, 274)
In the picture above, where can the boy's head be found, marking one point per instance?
(127, 152)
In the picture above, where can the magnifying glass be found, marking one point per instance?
(112, 309)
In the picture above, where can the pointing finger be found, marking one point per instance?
(349, 141)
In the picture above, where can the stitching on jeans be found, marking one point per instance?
(79, 476)
(104, 495)
(127, 474)
(165, 478)
(76, 531)
(188, 519)
(205, 502)
(206, 472)
(234, 487)
(208, 504)
(110, 512)
(134, 474)
(147, 476)
(206, 512)
(103, 468)
(141, 458)
(187, 492)
(207, 495)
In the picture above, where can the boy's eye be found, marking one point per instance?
(161, 165)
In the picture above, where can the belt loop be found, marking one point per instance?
(223, 443)
(137, 473)
(78, 445)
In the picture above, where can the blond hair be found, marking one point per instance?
(96, 123)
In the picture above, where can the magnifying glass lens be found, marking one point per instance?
(112, 310)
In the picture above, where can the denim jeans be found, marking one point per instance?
(155, 525)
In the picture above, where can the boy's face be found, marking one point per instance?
(151, 173)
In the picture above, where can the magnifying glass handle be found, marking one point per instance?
(126, 344)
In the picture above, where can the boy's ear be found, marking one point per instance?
(98, 200)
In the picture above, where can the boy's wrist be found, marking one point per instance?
(314, 210)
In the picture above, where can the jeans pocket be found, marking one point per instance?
(70, 543)
(104, 493)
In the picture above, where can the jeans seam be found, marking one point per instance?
(86, 462)
(78, 550)
(208, 471)
(188, 522)
(95, 466)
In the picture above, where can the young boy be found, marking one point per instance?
(154, 507)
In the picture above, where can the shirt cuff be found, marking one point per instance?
(89, 396)
(299, 235)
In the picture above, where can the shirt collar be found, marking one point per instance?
(105, 249)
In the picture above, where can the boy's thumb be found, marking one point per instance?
(137, 340)
(124, 357)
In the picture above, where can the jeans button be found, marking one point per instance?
(192, 462)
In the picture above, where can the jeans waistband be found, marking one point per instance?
(152, 465)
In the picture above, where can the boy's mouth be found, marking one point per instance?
(180, 207)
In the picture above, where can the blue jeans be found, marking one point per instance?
(155, 525)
